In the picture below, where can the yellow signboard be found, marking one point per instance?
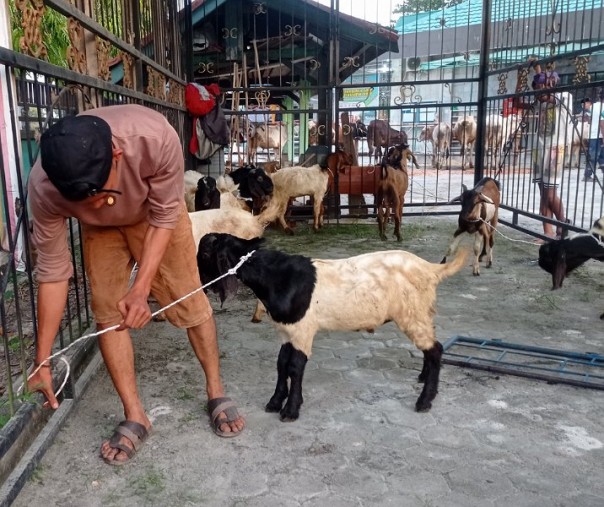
(357, 94)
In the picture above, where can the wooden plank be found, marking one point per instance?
(357, 180)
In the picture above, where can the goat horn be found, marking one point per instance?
(487, 199)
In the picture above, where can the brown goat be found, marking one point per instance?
(392, 187)
(478, 216)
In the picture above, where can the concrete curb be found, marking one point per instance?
(29, 461)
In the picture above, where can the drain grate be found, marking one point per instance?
(554, 366)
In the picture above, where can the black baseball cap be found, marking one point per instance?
(77, 154)
(586, 99)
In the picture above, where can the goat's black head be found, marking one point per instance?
(395, 155)
(360, 129)
(205, 187)
(260, 183)
(472, 199)
(217, 253)
(552, 258)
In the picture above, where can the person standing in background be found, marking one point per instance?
(595, 149)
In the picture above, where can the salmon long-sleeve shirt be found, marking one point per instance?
(151, 179)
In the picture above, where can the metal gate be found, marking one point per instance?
(309, 71)
(68, 57)
(358, 74)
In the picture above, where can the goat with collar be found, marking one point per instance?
(303, 296)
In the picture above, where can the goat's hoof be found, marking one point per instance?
(602, 316)
(273, 406)
(255, 320)
(289, 232)
(444, 261)
(476, 273)
(289, 415)
(423, 406)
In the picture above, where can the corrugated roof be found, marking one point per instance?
(470, 13)
(507, 56)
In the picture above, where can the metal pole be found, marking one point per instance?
(481, 112)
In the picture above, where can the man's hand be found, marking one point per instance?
(134, 307)
(42, 381)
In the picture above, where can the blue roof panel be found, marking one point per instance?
(470, 13)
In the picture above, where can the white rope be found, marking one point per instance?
(231, 271)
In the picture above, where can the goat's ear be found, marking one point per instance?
(455, 199)
(226, 286)
(559, 271)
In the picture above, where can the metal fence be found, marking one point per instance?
(107, 52)
(312, 73)
(298, 67)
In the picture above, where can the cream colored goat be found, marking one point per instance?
(297, 181)
(233, 221)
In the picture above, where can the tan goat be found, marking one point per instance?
(392, 187)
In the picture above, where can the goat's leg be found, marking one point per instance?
(397, 212)
(478, 244)
(295, 371)
(430, 375)
(316, 211)
(490, 241)
(381, 223)
(282, 221)
(281, 391)
(259, 312)
(453, 246)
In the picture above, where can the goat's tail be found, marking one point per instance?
(458, 262)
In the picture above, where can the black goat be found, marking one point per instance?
(560, 257)
(207, 195)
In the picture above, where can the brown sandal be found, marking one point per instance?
(228, 406)
(133, 431)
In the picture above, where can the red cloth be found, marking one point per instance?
(200, 99)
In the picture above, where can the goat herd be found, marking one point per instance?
(303, 295)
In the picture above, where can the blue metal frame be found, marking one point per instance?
(554, 366)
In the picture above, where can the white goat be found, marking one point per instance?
(233, 221)
(191, 179)
(441, 137)
(297, 181)
(291, 182)
(305, 295)
(229, 191)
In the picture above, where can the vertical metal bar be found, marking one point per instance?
(483, 89)
(188, 41)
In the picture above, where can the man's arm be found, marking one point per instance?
(519, 102)
(134, 306)
(52, 297)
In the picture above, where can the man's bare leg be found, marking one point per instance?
(118, 354)
(205, 345)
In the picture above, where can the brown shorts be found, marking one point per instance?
(109, 255)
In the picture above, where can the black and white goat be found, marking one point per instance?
(254, 184)
(560, 257)
(303, 296)
(478, 216)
